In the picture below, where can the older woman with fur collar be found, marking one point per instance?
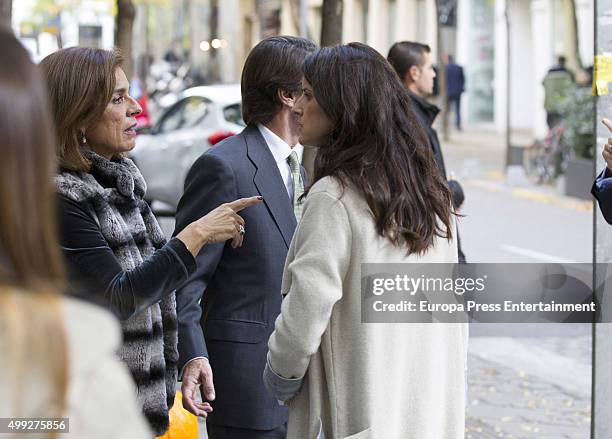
(116, 252)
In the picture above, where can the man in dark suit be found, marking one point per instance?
(414, 65)
(455, 86)
(602, 187)
(226, 311)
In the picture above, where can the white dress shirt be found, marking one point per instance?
(281, 151)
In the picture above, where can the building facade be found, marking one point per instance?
(378, 23)
(507, 46)
(45, 27)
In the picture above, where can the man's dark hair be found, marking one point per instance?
(405, 54)
(274, 64)
(561, 60)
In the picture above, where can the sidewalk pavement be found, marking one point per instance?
(527, 382)
(529, 388)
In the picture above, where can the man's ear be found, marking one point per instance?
(286, 98)
(412, 75)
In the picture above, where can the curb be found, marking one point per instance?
(533, 195)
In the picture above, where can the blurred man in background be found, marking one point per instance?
(414, 65)
(455, 86)
(558, 85)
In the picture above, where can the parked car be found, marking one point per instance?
(139, 92)
(201, 118)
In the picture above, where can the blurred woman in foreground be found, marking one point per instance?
(57, 355)
(377, 197)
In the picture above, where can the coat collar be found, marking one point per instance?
(120, 173)
(270, 184)
(427, 110)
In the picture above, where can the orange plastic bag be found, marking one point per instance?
(183, 425)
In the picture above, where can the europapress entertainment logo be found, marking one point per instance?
(496, 293)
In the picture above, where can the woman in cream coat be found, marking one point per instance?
(57, 356)
(377, 197)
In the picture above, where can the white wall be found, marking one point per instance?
(521, 76)
(431, 27)
(199, 19)
(229, 25)
(542, 55)
(289, 26)
(89, 13)
(377, 19)
(586, 30)
(531, 49)
(405, 21)
(489, 30)
(463, 48)
(351, 21)
(501, 67)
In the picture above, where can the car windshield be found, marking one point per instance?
(233, 113)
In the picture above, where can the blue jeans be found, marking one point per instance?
(456, 102)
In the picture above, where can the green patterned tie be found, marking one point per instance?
(298, 184)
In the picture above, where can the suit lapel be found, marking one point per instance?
(270, 184)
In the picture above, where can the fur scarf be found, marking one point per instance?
(112, 192)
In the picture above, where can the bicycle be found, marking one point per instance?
(545, 160)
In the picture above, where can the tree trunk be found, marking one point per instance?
(576, 39)
(214, 68)
(126, 12)
(6, 7)
(331, 23)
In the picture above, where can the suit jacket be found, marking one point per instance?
(455, 81)
(602, 191)
(240, 288)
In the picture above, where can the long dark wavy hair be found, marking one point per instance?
(378, 146)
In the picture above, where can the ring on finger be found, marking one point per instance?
(241, 229)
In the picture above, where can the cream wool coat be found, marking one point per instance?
(378, 381)
(101, 394)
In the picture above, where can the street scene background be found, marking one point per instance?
(524, 381)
